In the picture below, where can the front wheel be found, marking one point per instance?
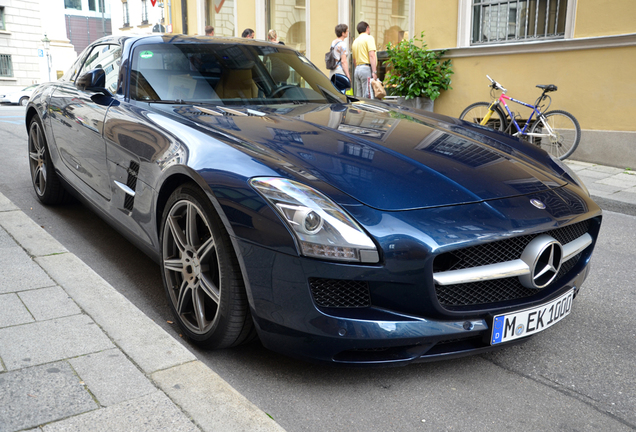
(24, 101)
(476, 112)
(201, 273)
(556, 132)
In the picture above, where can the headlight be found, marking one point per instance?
(570, 172)
(322, 228)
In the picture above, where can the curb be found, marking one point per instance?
(206, 398)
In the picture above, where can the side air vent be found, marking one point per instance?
(131, 182)
(335, 293)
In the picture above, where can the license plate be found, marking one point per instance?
(524, 323)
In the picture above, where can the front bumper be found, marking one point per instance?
(289, 321)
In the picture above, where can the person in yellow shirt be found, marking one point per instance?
(364, 60)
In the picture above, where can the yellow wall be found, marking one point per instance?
(177, 28)
(323, 22)
(605, 17)
(246, 16)
(596, 85)
(438, 19)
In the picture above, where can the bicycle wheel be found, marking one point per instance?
(560, 133)
(476, 112)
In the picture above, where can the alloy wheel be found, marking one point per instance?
(191, 267)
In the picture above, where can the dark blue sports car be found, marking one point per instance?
(332, 228)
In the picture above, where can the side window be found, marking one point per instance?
(107, 57)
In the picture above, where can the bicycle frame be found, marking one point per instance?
(535, 110)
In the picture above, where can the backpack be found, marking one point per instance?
(330, 60)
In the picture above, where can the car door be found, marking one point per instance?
(79, 121)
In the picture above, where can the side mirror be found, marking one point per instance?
(94, 80)
(341, 82)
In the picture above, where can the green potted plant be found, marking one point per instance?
(416, 74)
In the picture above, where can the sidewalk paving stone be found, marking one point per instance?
(147, 344)
(6, 205)
(195, 388)
(46, 341)
(12, 311)
(49, 303)
(111, 377)
(29, 234)
(41, 394)
(601, 187)
(587, 174)
(619, 183)
(606, 169)
(151, 413)
(19, 272)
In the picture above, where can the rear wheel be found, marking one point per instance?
(201, 273)
(45, 181)
(476, 112)
(560, 133)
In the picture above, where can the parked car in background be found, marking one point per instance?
(335, 229)
(18, 97)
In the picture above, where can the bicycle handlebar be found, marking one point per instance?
(496, 85)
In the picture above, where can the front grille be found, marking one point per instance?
(464, 295)
(503, 250)
(335, 293)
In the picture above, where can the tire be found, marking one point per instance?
(24, 101)
(567, 133)
(201, 274)
(476, 112)
(45, 181)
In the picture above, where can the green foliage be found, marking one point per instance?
(415, 71)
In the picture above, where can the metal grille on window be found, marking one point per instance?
(497, 21)
(6, 66)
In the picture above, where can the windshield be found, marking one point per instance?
(227, 74)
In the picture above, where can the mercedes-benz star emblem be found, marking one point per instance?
(538, 204)
(543, 255)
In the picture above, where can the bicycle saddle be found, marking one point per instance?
(548, 88)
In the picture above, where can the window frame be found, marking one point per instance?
(144, 12)
(465, 22)
(125, 13)
(9, 66)
(3, 24)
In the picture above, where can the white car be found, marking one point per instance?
(18, 97)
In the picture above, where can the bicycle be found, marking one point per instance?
(557, 131)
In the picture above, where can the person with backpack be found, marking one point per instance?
(337, 55)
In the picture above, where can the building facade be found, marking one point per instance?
(585, 47)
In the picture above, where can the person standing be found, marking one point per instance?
(248, 33)
(272, 37)
(364, 59)
(340, 51)
(209, 31)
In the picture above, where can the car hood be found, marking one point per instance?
(382, 156)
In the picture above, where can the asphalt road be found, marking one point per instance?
(578, 375)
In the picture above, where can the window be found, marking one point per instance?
(517, 20)
(6, 66)
(2, 25)
(105, 57)
(93, 4)
(144, 11)
(73, 4)
(388, 20)
(288, 19)
(126, 17)
(220, 15)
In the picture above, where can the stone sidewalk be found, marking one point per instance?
(618, 184)
(75, 355)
